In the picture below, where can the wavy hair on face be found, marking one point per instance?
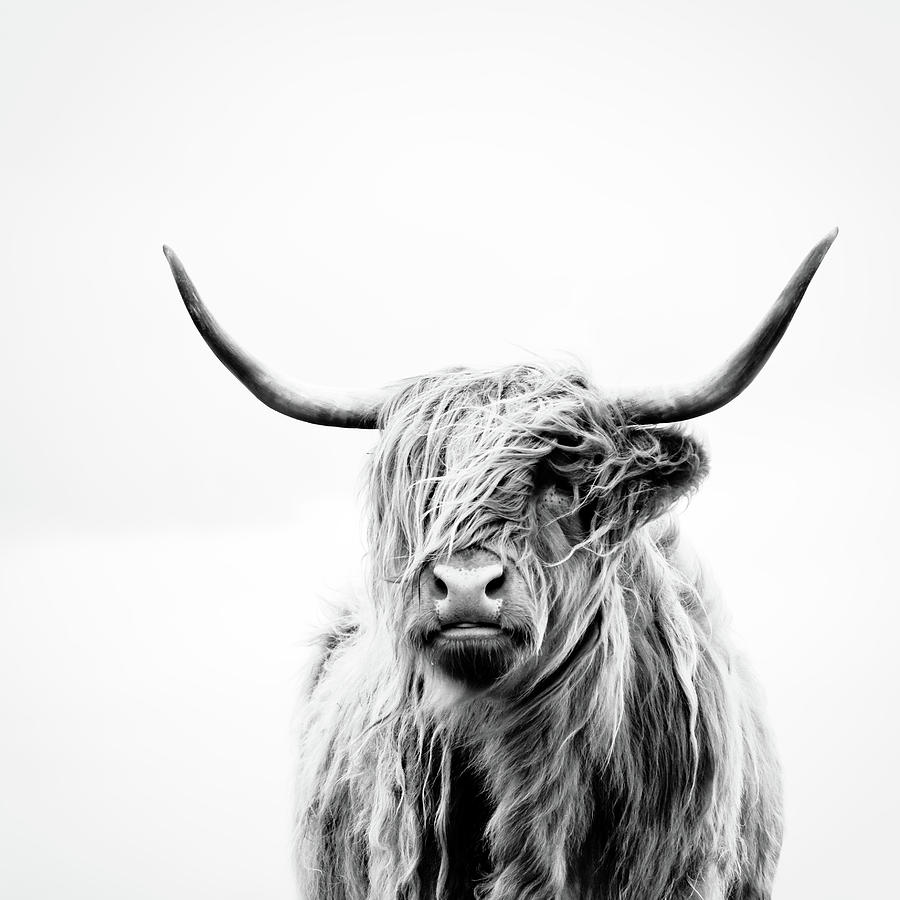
(639, 762)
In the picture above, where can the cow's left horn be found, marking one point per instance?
(319, 405)
(723, 385)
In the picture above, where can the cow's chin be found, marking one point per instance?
(474, 658)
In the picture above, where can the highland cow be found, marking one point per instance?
(537, 699)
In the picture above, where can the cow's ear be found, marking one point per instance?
(665, 464)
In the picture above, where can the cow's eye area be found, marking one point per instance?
(558, 499)
(554, 492)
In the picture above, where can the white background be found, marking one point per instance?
(364, 191)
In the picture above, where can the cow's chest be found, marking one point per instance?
(467, 849)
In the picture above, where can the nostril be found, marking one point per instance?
(440, 587)
(495, 585)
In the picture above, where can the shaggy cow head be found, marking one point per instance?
(498, 498)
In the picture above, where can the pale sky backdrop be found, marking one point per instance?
(367, 190)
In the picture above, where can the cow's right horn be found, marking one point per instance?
(309, 403)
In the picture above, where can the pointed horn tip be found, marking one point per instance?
(185, 286)
(817, 254)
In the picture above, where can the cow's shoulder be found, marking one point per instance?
(335, 633)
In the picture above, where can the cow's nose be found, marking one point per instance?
(467, 596)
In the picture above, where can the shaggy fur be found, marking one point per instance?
(622, 755)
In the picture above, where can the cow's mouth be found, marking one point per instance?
(474, 653)
(469, 631)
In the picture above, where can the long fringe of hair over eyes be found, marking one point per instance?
(649, 739)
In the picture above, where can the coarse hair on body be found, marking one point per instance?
(621, 756)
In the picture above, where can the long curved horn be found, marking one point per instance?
(319, 405)
(726, 382)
